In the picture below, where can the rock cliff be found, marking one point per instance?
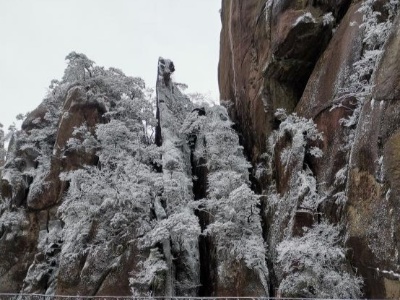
(288, 189)
(335, 65)
(99, 197)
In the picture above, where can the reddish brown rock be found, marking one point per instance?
(267, 63)
(388, 74)
(333, 68)
(18, 243)
(320, 101)
(77, 110)
(243, 53)
(266, 56)
(35, 118)
(373, 213)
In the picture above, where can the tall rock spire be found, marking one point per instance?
(182, 276)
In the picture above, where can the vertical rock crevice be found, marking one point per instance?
(208, 263)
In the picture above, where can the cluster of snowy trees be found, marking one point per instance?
(314, 266)
(235, 224)
(121, 190)
(235, 209)
(141, 194)
(118, 193)
(311, 263)
(127, 197)
(375, 32)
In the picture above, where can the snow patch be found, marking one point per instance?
(305, 18)
(328, 19)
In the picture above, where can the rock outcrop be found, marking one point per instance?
(267, 52)
(92, 203)
(202, 163)
(55, 237)
(99, 197)
(335, 63)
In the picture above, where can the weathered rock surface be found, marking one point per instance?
(267, 53)
(269, 59)
(373, 210)
(91, 205)
(77, 110)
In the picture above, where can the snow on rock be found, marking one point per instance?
(235, 225)
(179, 227)
(79, 185)
(317, 254)
(306, 18)
(99, 197)
(101, 208)
(328, 19)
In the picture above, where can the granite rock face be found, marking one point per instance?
(267, 53)
(98, 197)
(335, 63)
(373, 210)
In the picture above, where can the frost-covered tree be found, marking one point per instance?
(116, 196)
(126, 158)
(375, 31)
(153, 275)
(297, 136)
(314, 266)
(233, 206)
(300, 133)
(79, 67)
(237, 231)
(297, 192)
(135, 199)
(122, 189)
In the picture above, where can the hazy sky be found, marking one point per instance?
(35, 37)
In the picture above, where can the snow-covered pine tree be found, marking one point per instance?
(130, 208)
(106, 206)
(314, 266)
(235, 225)
(121, 189)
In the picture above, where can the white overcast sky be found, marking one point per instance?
(36, 35)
